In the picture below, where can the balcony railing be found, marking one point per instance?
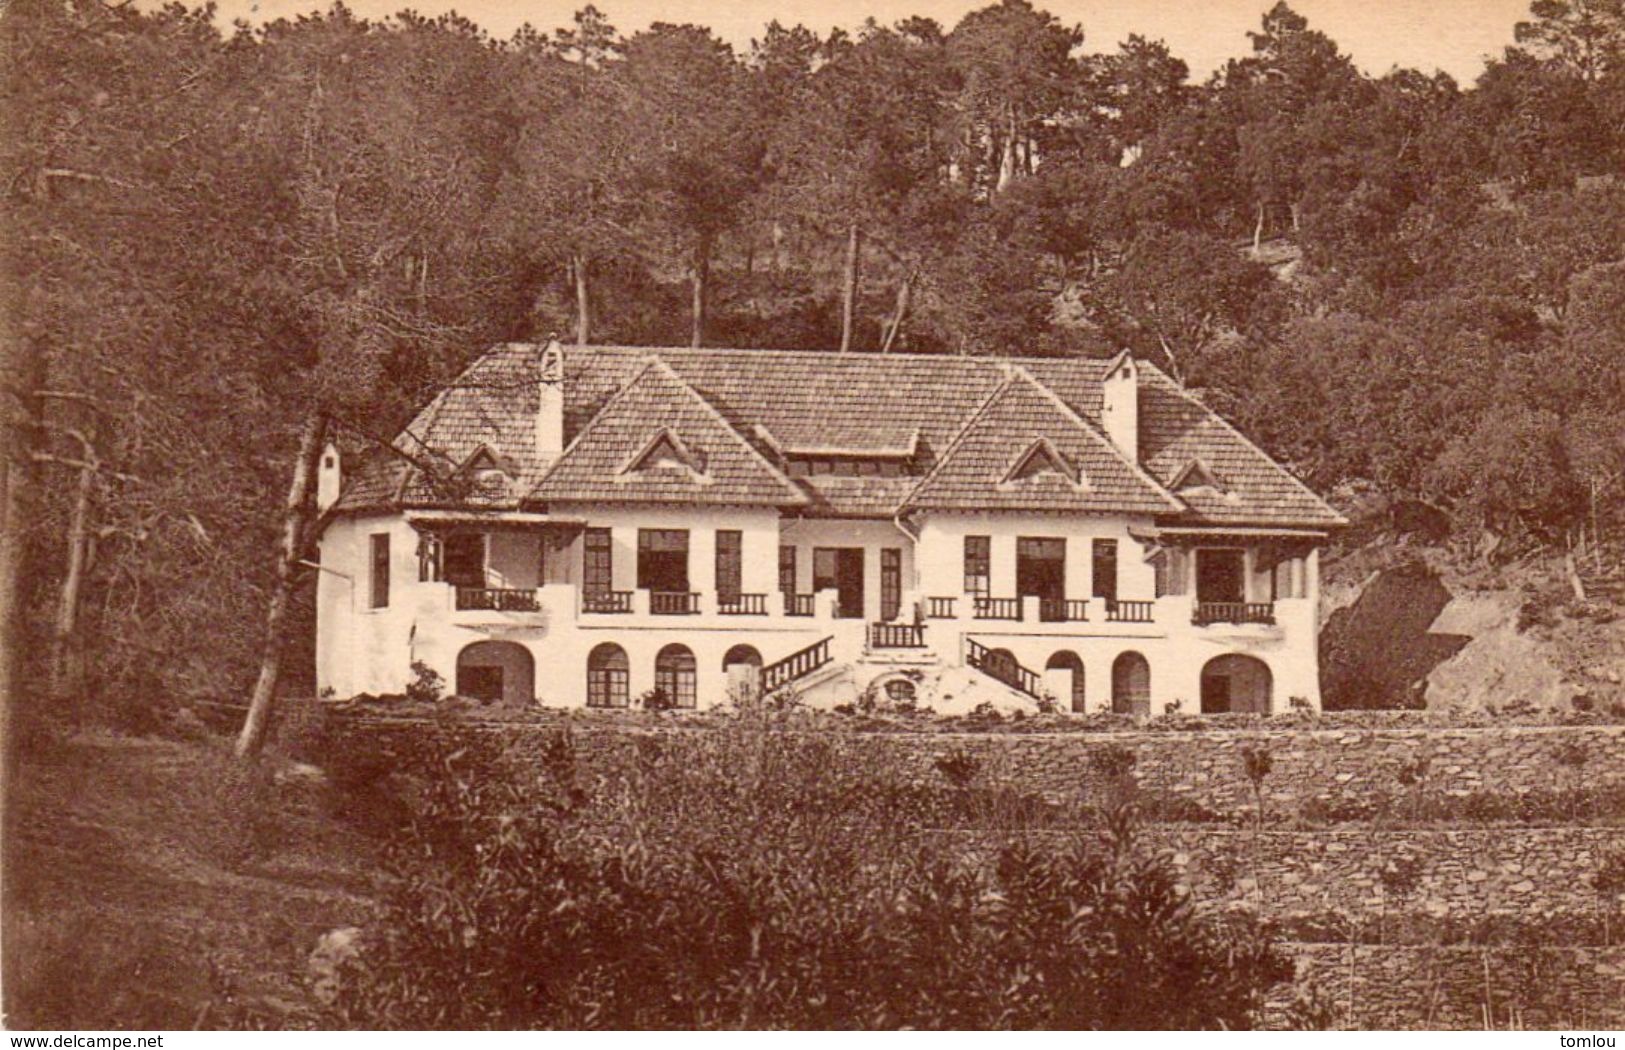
(673, 603)
(798, 604)
(940, 608)
(1063, 610)
(997, 609)
(1129, 612)
(896, 636)
(500, 599)
(742, 604)
(1233, 612)
(606, 602)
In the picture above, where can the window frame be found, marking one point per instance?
(597, 561)
(610, 684)
(378, 570)
(730, 564)
(978, 556)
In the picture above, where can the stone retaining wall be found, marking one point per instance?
(1330, 766)
(1456, 987)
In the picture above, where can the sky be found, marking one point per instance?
(1453, 35)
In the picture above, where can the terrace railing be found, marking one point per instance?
(674, 603)
(1129, 611)
(897, 636)
(1233, 612)
(1063, 610)
(606, 601)
(940, 608)
(997, 609)
(742, 604)
(798, 604)
(500, 599)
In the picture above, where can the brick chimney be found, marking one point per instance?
(550, 402)
(1120, 405)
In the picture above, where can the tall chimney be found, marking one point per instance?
(1120, 405)
(550, 402)
(329, 478)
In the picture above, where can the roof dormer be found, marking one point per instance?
(1197, 475)
(1041, 459)
(666, 451)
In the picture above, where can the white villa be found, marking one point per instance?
(609, 522)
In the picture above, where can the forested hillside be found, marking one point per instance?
(217, 241)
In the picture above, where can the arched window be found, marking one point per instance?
(1131, 684)
(901, 692)
(1236, 683)
(1063, 675)
(674, 675)
(606, 676)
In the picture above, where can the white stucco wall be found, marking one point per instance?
(362, 650)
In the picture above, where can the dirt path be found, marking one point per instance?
(138, 894)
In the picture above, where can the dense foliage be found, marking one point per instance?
(705, 886)
(1394, 283)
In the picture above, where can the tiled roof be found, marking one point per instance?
(972, 473)
(1176, 429)
(857, 403)
(603, 464)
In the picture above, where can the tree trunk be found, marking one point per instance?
(702, 280)
(67, 663)
(578, 267)
(295, 519)
(26, 362)
(1258, 231)
(849, 286)
(896, 324)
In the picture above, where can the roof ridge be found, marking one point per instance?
(992, 361)
(716, 414)
(1101, 439)
(1179, 391)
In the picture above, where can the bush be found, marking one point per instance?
(426, 686)
(741, 878)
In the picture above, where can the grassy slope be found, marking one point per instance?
(137, 896)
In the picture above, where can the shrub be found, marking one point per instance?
(426, 686)
(743, 879)
(959, 766)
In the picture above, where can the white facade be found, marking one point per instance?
(533, 568)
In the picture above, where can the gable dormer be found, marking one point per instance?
(665, 451)
(1120, 405)
(1197, 475)
(1041, 459)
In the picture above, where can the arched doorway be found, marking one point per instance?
(674, 675)
(1131, 684)
(607, 670)
(1236, 683)
(496, 672)
(743, 667)
(1063, 677)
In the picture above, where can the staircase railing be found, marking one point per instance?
(1004, 668)
(798, 664)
